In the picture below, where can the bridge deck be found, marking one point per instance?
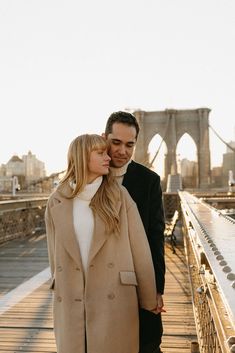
(25, 301)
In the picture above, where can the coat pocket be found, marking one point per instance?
(128, 278)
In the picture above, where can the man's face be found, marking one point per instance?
(122, 142)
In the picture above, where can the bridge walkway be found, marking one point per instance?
(25, 300)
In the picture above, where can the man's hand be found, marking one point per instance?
(160, 305)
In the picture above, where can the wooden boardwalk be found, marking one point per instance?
(26, 323)
(178, 321)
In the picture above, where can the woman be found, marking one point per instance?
(99, 256)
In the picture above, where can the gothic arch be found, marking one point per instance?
(157, 149)
(171, 125)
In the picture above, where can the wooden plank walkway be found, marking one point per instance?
(27, 325)
(178, 321)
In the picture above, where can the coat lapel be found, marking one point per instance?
(100, 236)
(63, 215)
(129, 176)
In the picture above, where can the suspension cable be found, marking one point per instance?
(155, 156)
(227, 144)
(163, 139)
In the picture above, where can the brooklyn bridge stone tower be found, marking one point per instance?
(171, 125)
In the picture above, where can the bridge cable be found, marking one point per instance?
(163, 138)
(227, 144)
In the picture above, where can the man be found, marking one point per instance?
(144, 187)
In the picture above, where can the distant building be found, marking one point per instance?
(232, 144)
(216, 176)
(34, 169)
(28, 169)
(15, 166)
(228, 163)
(189, 173)
(3, 170)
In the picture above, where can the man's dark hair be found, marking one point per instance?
(121, 117)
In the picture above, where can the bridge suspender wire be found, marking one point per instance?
(227, 144)
(155, 156)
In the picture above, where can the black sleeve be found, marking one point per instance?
(156, 233)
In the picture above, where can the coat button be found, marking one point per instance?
(111, 296)
(59, 299)
(77, 269)
(110, 265)
(78, 300)
(59, 268)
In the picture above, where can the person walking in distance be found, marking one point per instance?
(99, 256)
(144, 187)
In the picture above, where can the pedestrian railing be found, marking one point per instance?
(21, 218)
(210, 243)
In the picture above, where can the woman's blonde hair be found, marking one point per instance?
(76, 176)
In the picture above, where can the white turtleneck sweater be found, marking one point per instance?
(83, 218)
(120, 172)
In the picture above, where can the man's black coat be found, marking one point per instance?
(144, 187)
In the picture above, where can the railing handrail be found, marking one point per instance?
(23, 200)
(207, 230)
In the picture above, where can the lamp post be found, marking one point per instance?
(15, 185)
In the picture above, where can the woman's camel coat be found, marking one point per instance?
(104, 306)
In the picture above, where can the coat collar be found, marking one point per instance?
(63, 215)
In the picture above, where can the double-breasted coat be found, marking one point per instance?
(100, 307)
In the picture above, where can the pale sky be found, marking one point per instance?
(65, 65)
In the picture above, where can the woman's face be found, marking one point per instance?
(98, 164)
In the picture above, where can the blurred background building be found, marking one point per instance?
(28, 169)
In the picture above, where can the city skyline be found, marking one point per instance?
(65, 66)
(158, 165)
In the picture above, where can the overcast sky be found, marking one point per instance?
(65, 65)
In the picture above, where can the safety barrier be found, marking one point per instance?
(210, 240)
(21, 218)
